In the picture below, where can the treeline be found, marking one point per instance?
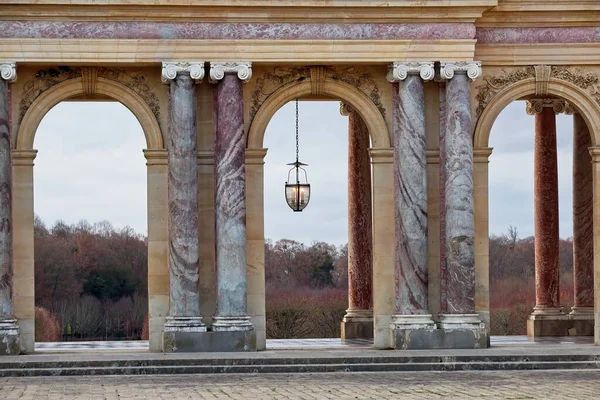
(90, 281)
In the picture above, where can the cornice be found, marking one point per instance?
(347, 11)
(541, 13)
(538, 53)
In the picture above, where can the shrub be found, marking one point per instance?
(47, 328)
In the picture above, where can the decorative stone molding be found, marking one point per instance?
(89, 78)
(8, 72)
(23, 157)
(345, 109)
(156, 157)
(317, 77)
(494, 84)
(255, 156)
(171, 69)
(578, 77)
(398, 71)
(269, 83)
(542, 77)
(535, 106)
(206, 157)
(471, 68)
(218, 69)
(381, 156)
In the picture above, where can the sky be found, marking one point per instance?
(90, 166)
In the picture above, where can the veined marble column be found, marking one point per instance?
(442, 188)
(9, 331)
(583, 238)
(184, 310)
(548, 318)
(358, 321)
(230, 203)
(411, 311)
(460, 316)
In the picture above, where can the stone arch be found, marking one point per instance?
(580, 98)
(73, 87)
(375, 122)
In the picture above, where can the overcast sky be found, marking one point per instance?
(90, 166)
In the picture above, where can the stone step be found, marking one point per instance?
(82, 369)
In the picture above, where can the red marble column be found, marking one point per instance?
(546, 211)
(357, 322)
(583, 196)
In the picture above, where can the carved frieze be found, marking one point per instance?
(47, 78)
(270, 82)
(578, 77)
(492, 85)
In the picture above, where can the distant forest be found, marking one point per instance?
(91, 284)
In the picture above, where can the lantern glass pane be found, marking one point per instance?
(297, 196)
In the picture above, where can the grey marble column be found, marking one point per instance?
(230, 202)
(184, 311)
(410, 192)
(459, 194)
(9, 330)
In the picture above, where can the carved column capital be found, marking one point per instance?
(535, 106)
(471, 68)
(398, 71)
(8, 71)
(170, 70)
(218, 69)
(345, 109)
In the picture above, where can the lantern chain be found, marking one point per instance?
(297, 140)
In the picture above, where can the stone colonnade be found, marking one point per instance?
(548, 317)
(412, 324)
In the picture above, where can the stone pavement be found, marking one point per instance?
(572, 384)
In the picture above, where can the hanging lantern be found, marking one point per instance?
(297, 195)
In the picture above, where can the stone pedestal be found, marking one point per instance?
(9, 330)
(358, 321)
(184, 317)
(548, 318)
(230, 203)
(227, 341)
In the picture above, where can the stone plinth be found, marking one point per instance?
(228, 341)
(357, 324)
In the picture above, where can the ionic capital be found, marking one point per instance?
(170, 70)
(8, 71)
(471, 68)
(535, 106)
(345, 109)
(218, 69)
(398, 71)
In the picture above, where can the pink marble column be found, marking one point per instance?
(9, 331)
(360, 246)
(583, 244)
(230, 202)
(184, 306)
(545, 194)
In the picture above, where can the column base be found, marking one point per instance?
(9, 338)
(462, 331)
(184, 324)
(199, 342)
(232, 324)
(413, 332)
(548, 321)
(357, 324)
(582, 321)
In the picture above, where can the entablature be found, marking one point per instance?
(541, 13)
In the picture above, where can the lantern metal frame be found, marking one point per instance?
(300, 191)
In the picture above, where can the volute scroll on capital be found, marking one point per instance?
(8, 71)
(218, 69)
(450, 68)
(170, 70)
(535, 106)
(398, 71)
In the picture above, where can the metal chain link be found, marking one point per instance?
(297, 141)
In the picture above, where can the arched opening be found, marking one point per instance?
(100, 145)
(531, 254)
(91, 267)
(376, 128)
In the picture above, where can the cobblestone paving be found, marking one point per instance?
(570, 384)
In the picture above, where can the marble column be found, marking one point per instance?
(442, 188)
(547, 310)
(583, 239)
(230, 202)
(459, 205)
(411, 311)
(184, 310)
(358, 321)
(9, 331)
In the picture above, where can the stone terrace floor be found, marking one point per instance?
(549, 385)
